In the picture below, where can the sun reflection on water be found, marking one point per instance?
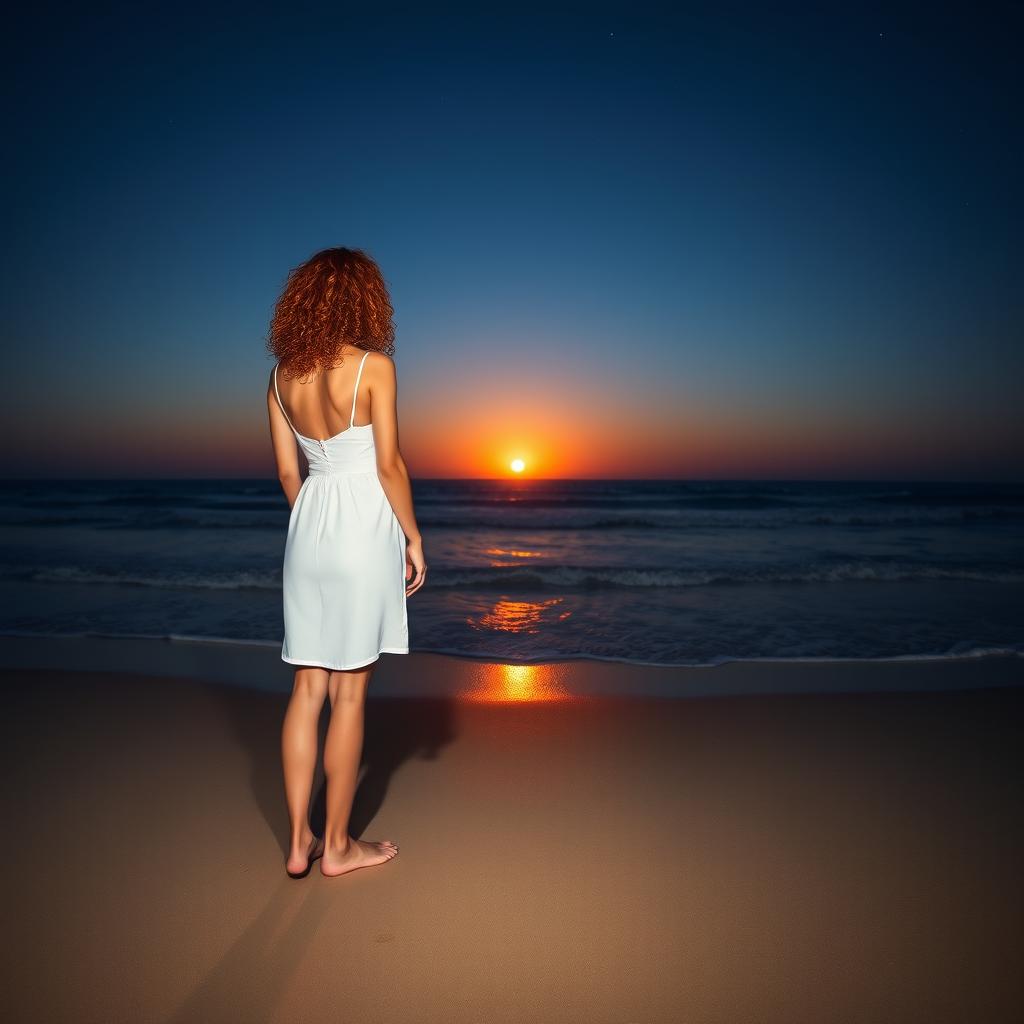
(517, 684)
(502, 558)
(508, 616)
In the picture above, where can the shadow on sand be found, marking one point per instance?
(269, 950)
(397, 729)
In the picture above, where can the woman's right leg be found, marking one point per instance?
(342, 751)
(298, 751)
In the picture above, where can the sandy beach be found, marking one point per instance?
(788, 857)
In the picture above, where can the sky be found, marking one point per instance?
(619, 243)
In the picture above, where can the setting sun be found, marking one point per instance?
(517, 465)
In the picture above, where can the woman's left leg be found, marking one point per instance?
(299, 755)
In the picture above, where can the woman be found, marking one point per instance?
(352, 544)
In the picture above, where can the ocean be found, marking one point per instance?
(658, 571)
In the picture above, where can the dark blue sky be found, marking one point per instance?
(629, 243)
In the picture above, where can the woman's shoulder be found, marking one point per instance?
(352, 355)
(350, 352)
(379, 363)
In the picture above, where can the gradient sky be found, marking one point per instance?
(619, 244)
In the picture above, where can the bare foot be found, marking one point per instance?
(301, 860)
(358, 855)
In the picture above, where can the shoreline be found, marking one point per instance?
(258, 666)
(953, 654)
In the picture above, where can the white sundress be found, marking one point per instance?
(343, 577)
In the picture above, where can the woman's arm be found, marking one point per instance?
(391, 468)
(286, 451)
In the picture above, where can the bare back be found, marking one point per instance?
(322, 407)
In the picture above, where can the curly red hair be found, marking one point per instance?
(336, 296)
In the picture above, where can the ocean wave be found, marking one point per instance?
(964, 650)
(544, 578)
(560, 578)
(683, 522)
(274, 518)
(169, 580)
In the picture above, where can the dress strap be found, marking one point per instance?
(280, 403)
(352, 418)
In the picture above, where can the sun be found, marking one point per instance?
(517, 465)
